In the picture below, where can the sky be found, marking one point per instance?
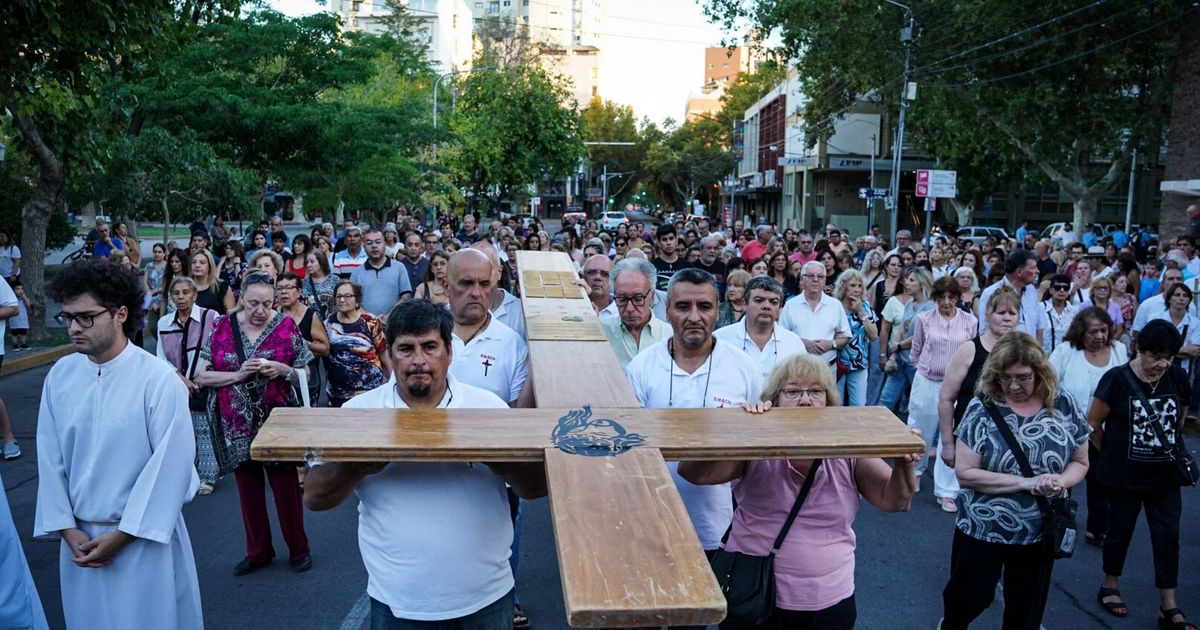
(653, 53)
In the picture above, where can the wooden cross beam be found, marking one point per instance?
(627, 552)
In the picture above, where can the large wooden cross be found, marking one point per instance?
(627, 551)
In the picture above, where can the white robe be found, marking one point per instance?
(116, 451)
(20, 607)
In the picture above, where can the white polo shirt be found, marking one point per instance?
(783, 344)
(728, 379)
(497, 360)
(434, 537)
(511, 313)
(609, 312)
(826, 321)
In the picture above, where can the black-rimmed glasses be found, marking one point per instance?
(637, 300)
(85, 320)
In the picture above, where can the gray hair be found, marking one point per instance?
(711, 238)
(183, 280)
(766, 283)
(813, 263)
(762, 229)
(974, 279)
(637, 265)
(844, 278)
(693, 276)
(904, 233)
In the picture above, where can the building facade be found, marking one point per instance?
(444, 26)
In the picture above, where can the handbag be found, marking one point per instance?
(199, 401)
(748, 582)
(1059, 523)
(1186, 469)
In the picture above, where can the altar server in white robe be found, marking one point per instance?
(115, 464)
(20, 606)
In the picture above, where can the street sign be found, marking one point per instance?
(874, 193)
(931, 183)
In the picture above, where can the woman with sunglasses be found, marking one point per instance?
(1058, 310)
(252, 360)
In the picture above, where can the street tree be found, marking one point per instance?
(688, 160)
(608, 121)
(1071, 90)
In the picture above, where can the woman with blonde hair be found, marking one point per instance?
(734, 305)
(896, 333)
(814, 566)
(210, 293)
(855, 357)
(999, 528)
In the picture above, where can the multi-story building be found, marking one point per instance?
(444, 26)
(569, 33)
(721, 67)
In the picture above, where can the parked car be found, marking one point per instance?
(579, 217)
(978, 234)
(611, 219)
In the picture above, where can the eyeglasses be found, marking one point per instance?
(814, 276)
(636, 300)
(285, 287)
(85, 320)
(344, 296)
(1061, 287)
(794, 393)
(1024, 379)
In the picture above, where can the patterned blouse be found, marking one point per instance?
(354, 364)
(244, 406)
(319, 295)
(232, 278)
(1048, 438)
(154, 282)
(855, 354)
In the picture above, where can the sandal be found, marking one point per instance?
(1096, 540)
(1114, 608)
(520, 619)
(205, 489)
(1166, 620)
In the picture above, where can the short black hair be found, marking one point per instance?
(112, 285)
(418, 317)
(666, 229)
(1160, 338)
(693, 275)
(279, 236)
(1017, 259)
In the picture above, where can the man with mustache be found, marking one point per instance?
(434, 537)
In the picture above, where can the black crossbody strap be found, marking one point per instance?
(237, 338)
(1017, 451)
(787, 524)
(1154, 423)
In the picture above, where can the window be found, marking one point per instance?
(507, 3)
(494, 7)
(478, 5)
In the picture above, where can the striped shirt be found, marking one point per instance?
(936, 339)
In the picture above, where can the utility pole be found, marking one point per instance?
(1129, 199)
(871, 200)
(906, 38)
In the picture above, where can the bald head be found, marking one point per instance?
(596, 272)
(488, 250)
(469, 281)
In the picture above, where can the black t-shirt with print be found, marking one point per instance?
(1131, 455)
(668, 269)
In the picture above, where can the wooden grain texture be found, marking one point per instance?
(523, 434)
(627, 551)
(548, 319)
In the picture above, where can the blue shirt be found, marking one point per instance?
(103, 250)
(1089, 239)
(1120, 238)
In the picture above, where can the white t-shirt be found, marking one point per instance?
(7, 298)
(827, 321)
(1189, 329)
(783, 344)
(511, 313)
(434, 537)
(658, 383)
(497, 360)
(1078, 376)
(7, 256)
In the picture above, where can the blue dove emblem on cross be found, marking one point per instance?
(578, 433)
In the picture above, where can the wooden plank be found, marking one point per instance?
(548, 319)
(523, 435)
(627, 552)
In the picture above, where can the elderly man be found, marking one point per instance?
(1045, 264)
(819, 319)
(758, 247)
(660, 300)
(432, 242)
(435, 537)
(635, 328)
(903, 239)
(678, 372)
(384, 282)
(353, 257)
(805, 254)
(504, 306)
(596, 276)
(1020, 269)
(757, 334)
(468, 234)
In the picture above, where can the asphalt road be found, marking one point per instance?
(901, 568)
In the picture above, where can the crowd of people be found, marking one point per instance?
(1027, 367)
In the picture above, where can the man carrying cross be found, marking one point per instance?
(434, 537)
(678, 372)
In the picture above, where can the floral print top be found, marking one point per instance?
(354, 363)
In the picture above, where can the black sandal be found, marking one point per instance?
(1165, 618)
(520, 619)
(1096, 540)
(1117, 608)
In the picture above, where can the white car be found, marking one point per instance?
(610, 220)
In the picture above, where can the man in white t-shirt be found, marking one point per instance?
(434, 537)
(819, 319)
(694, 369)
(504, 306)
(487, 353)
(757, 334)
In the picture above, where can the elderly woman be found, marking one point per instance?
(253, 357)
(357, 360)
(1087, 352)
(1178, 298)
(895, 333)
(181, 336)
(288, 298)
(854, 357)
(968, 287)
(1102, 297)
(814, 567)
(937, 335)
(1136, 467)
(267, 262)
(999, 526)
(734, 306)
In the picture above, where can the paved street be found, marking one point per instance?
(902, 560)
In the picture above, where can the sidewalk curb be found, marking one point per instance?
(22, 363)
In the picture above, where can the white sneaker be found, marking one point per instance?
(11, 450)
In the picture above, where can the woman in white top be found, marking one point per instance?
(1089, 349)
(1178, 298)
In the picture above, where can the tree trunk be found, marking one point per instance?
(167, 222)
(963, 211)
(1085, 208)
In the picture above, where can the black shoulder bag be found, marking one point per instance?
(1186, 469)
(748, 582)
(1059, 523)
